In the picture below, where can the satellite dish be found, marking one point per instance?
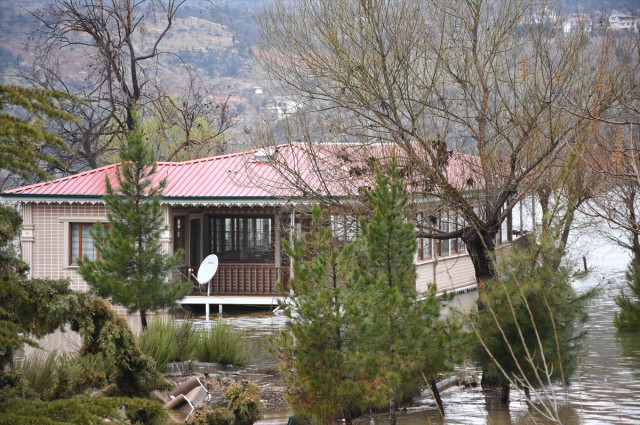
(207, 269)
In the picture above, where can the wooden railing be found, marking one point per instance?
(242, 279)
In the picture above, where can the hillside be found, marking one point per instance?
(216, 42)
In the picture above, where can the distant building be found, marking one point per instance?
(577, 23)
(280, 106)
(544, 16)
(622, 21)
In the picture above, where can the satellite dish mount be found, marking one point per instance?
(206, 272)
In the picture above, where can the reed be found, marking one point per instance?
(169, 341)
(221, 343)
(39, 371)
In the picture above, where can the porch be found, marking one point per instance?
(237, 284)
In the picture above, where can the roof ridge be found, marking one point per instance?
(205, 159)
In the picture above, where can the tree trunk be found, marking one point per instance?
(392, 412)
(347, 416)
(489, 381)
(506, 389)
(481, 251)
(436, 395)
(143, 319)
(527, 393)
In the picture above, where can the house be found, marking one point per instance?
(239, 207)
(279, 107)
(544, 16)
(622, 21)
(577, 23)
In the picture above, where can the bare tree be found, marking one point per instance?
(614, 130)
(116, 48)
(474, 76)
(190, 123)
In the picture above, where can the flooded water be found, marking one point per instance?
(606, 389)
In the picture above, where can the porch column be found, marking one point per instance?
(165, 236)
(26, 238)
(292, 230)
(278, 239)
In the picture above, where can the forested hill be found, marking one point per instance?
(216, 38)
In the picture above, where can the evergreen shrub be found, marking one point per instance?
(86, 410)
(244, 402)
(628, 319)
(204, 415)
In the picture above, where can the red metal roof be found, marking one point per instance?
(245, 175)
(229, 175)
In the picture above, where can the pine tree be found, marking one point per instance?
(528, 329)
(23, 143)
(133, 268)
(315, 352)
(403, 340)
(628, 319)
(12, 272)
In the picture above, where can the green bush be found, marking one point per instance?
(169, 341)
(244, 402)
(223, 344)
(146, 412)
(204, 415)
(39, 370)
(77, 374)
(13, 385)
(86, 410)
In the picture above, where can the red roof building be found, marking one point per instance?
(238, 206)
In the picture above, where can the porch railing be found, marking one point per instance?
(242, 279)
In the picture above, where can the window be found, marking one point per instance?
(442, 246)
(240, 238)
(425, 250)
(345, 227)
(449, 221)
(461, 225)
(82, 242)
(457, 223)
(179, 240)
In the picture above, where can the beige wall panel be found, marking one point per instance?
(50, 252)
(450, 273)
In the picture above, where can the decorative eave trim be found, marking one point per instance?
(240, 201)
(51, 199)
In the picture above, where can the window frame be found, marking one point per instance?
(443, 218)
(69, 224)
(180, 239)
(424, 223)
